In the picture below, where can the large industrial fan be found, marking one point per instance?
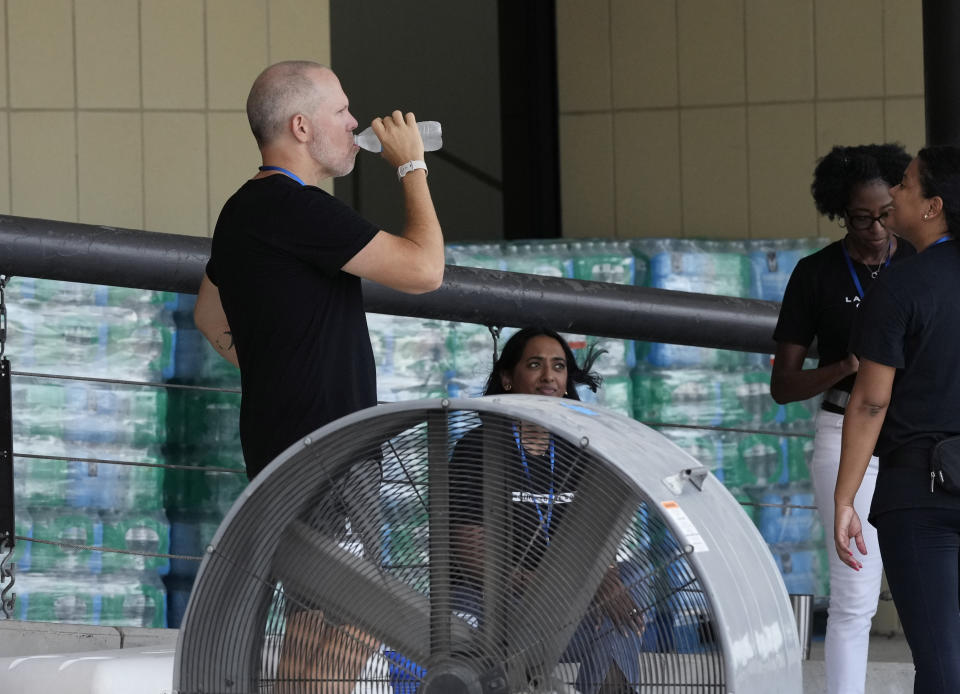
(487, 546)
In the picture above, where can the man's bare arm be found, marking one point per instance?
(414, 261)
(212, 321)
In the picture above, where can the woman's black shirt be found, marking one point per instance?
(910, 320)
(821, 302)
(533, 494)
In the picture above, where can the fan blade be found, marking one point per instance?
(566, 579)
(496, 517)
(439, 476)
(316, 571)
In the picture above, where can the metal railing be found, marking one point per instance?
(169, 262)
(165, 262)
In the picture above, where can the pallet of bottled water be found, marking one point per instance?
(70, 497)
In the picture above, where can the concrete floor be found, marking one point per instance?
(883, 649)
(890, 670)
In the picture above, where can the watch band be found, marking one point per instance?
(404, 169)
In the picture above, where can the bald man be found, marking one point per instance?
(281, 297)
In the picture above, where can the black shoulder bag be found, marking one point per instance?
(945, 465)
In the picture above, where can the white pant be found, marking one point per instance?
(853, 594)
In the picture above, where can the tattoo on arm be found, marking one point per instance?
(225, 341)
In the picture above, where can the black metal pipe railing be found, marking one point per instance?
(170, 262)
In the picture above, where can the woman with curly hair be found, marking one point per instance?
(851, 185)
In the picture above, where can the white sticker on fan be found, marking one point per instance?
(686, 526)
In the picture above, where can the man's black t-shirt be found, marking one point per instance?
(297, 319)
(821, 302)
(538, 496)
(911, 321)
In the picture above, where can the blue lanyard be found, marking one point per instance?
(853, 273)
(526, 469)
(939, 241)
(284, 171)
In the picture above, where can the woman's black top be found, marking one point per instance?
(910, 320)
(534, 498)
(821, 302)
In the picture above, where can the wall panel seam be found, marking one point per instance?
(206, 119)
(6, 48)
(679, 109)
(143, 124)
(746, 119)
(76, 111)
(613, 121)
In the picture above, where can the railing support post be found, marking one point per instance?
(7, 518)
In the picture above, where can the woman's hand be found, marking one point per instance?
(846, 525)
(861, 429)
(613, 600)
(790, 382)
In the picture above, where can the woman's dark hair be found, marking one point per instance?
(939, 172)
(845, 168)
(513, 351)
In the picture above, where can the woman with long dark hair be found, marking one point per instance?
(510, 367)
(905, 407)
(540, 478)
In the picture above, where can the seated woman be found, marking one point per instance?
(539, 480)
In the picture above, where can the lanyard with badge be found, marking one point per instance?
(853, 272)
(544, 524)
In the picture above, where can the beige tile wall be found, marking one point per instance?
(678, 117)
(717, 110)
(130, 113)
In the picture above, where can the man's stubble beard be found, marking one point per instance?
(320, 151)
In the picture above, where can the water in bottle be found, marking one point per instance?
(22, 526)
(38, 481)
(801, 569)
(137, 532)
(604, 261)
(95, 485)
(781, 523)
(482, 255)
(57, 597)
(470, 349)
(74, 526)
(430, 133)
(548, 259)
(132, 599)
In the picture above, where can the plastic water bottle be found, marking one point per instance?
(430, 133)
(137, 531)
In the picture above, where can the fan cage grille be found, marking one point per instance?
(532, 562)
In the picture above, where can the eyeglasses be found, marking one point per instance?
(862, 222)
